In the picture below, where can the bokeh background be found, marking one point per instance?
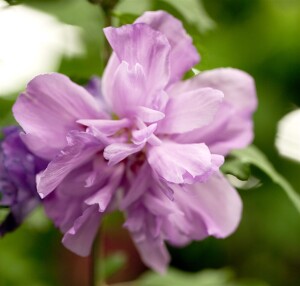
(258, 36)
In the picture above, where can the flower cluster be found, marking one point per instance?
(142, 141)
(18, 169)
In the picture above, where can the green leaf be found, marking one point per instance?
(3, 213)
(253, 156)
(133, 6)
(221, 277)
(194, 13)
(37, 220)
(6, 117)
(112, 264)
(124, 18)
(237, 168)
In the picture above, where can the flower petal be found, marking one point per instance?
(183, 55)
(129, 89)
(143, 49)
(104, 195)
(238, 87)
(117, 152)
(107, 127)
(80, 237)
(142, 136)
(288, 136)
(183, 163)
(190, 110)
(153, 253)
(49, 108)
(232, 127)
(214, 204)
(82, 147)
(145, 231)
(149, 115)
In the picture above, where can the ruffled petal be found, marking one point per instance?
(183, 55)
(153, 253)
(48, 110)
(117, 152)
(82, 147)
(232, 127)
(65, 204)
(129, 89)
(145, 231)
(103, 197)
(149, 115)
(190, 110)
(79, 239)
(145, 54)
(213, 208)
(107, 127)
(183, 163)
(141, 136)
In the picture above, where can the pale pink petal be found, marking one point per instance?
(233, 125)
(183, 55)
(215, 204)
(49, 108)
(149, 115)
(139, 186)
(145, 231)
(105, 126)
(82, 147)
(142, 136)
(117, 152)
(154, 254)
(79, 239)
(145, 52)
(103, 197)
(183, 163)
(129, 89)
(190, 110)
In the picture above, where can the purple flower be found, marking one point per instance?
(18, 168)
(148, 144)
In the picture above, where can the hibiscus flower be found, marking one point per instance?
(146, 142)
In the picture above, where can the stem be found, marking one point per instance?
(106, 6)
(96, 261)
(92, 279)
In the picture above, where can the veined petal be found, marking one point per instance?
(149, 115)
(190, 110)
(129, 89)
(49, 108)
(82, 147)
(153, 253)
(117, 152)
(216, 204)
(145, 231)
(142, 136)
(238, 87)
(107, 127)
(138, 45)
(183, 55)
(183, 163)
(80, 237)
(138, 187)
(104, 195)
(232, 126)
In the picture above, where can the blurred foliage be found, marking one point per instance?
(222, 277)
(239, 162)
(258, 36)
(6, 117)
(111, 265)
